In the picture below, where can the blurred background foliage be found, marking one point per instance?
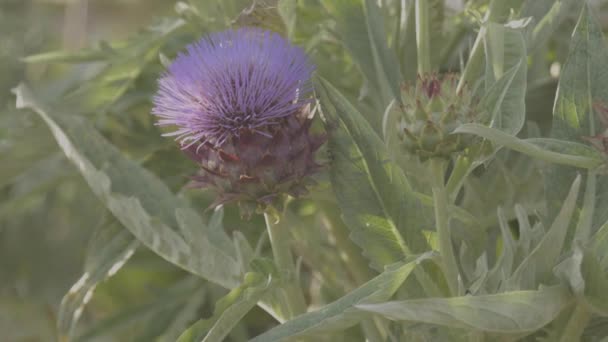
(48, 215)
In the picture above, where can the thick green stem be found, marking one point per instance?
(583, 228)
(576, 324)
(442, 223)
(423, 36)
(293, 302)
(462, 168)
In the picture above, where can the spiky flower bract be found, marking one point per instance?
(240, 100)
(432, 109)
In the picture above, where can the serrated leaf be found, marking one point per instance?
(340, 314)
(379, 210)
(536, 268)
(136, 197)
(110, 248)
(229, 310)
(509, 312)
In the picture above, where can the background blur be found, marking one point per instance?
(47, 212)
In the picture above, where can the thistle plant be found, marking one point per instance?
(349, 170)
(240, 100)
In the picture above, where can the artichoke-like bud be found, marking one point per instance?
(431, 111)
(240, 100)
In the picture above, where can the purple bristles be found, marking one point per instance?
(230, 81)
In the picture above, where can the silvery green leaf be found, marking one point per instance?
(136, 197)
(506, 313)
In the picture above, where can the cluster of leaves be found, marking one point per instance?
(526, 257)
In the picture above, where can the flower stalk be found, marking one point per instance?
(423, 36)
(442, 223)
(293, 302)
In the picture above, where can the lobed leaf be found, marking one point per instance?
(137, 198)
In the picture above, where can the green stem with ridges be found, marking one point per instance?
(576, 324)
(293, 302)
(423, 36)
(442, 223)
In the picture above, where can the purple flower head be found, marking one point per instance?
(230, 82)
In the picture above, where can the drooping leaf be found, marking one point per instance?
(137, 198)
(340, 314)
(509, 312)
(372, 191)
(111, 247)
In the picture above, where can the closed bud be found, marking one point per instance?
(431, 111)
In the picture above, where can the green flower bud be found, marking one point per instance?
(431, 111)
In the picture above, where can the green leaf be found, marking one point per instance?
(506, 70)
(137, 198)
(549, 15)
(586, 278)
(550, 150)
(581, 98)
(123, 68)
(287, 11)
(340, 314)
(385, 60)
(110, 248)
(171, 300)
(600, 245)
(229, 310)
(373, 193)
(68, 56)
(361, 28)
(509, 312)
(536, 267)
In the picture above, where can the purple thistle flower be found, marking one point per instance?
(230, 82)
(240, 100)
